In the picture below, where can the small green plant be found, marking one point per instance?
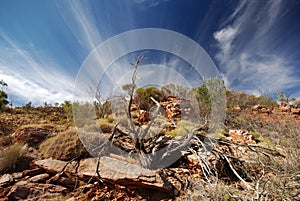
(106, 124)
(64, 146)
(142, 97)
(10, 156)
(218, 134)
(183, 127)
(255, 135)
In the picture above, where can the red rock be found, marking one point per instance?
(17, 175)
(116, 170)
(32, 172)
(295, 111)
(6, 180)
(55, 166)
(256, 107)
(39, 178)
(241, 136)
(284, 107)
(237, 108)
(33, 135)
(143, 116)
(24, 189)
(20, 190)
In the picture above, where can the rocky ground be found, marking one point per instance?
(241, 165)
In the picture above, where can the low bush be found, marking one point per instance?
(183, 127)
(64, 146)
(106, 124)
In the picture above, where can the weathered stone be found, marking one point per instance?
(193, 160)
(237, 108)
(70, 182)
(241, 136)
(256, 108)
(115, 170)
(25, 189)
(295, 111)
(32, 172)
(55, 166)
(33, 135)
(17, 175)
(39, 178)
(129, 174)
(53, 188)
(3, 192)
(6, 180)
(20, 190)
(123, 172)
(284, 107)
(143, 116)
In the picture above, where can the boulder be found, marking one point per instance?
(112, 169)
(32, 172)
(172, 108)
(33, 134)
(241, 136)
(143, 116)
(39, 178)
(256, 108)
(295, 111)
(6, 180)
(131, 175)
(237, 108)
(25, 189)
(284, 107)
(55, 166)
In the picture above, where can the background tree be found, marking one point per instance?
(296, 103)
(266, 100)
(142, 97)
(284, 98)
(102, 106)
(68, 108)
(3, 95)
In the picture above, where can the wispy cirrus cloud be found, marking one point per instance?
(78, 16)
(34, 79)
(246, 60)
(150, 3)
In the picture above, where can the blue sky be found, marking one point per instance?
(254, 44)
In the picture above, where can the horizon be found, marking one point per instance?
(43, 45)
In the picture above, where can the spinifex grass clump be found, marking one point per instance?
(10, 156)
(64, 146)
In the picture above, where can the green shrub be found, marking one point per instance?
(218, 134)
(106, 124)
(183, 127)
(64, 146)
(142, 97)
(10, 156)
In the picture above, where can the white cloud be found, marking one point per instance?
(150, 3)
(245, 60)
(32, 79)
(77, 16)
(225, 37)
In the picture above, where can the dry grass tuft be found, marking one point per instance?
(106, 124)
(64, 146)
(10, 156)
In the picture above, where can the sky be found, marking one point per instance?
(44, 44)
